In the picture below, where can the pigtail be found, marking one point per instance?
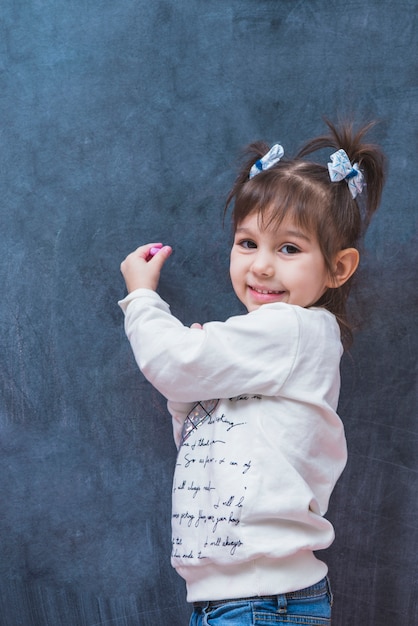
(368, 156)
(351, 216)
(249, 155)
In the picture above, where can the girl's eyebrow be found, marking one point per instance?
(297, 233)
(242, 229)
(289, 232)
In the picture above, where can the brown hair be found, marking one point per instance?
(303, 190)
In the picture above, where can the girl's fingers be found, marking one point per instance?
(160, 256)
(143, 267)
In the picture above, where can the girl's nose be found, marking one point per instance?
(262, 264)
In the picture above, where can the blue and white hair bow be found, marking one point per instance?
(340, 168)
(272, 157)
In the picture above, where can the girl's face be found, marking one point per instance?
(273, 264)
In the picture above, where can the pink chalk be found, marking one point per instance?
(154, 251)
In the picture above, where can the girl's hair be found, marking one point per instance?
(302, 189)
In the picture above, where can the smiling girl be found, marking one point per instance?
(253, 399)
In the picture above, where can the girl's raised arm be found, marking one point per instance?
(252, 353)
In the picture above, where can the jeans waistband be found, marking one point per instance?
(308, 592)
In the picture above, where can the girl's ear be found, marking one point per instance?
(345, 264)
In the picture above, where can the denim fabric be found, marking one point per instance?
(308, 607)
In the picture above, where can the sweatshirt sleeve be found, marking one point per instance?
(252, 353)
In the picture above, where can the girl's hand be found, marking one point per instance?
(142, 268)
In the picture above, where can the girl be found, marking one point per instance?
(253, 399)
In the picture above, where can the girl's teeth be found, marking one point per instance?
(265, 292)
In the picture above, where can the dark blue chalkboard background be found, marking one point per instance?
(120, 123)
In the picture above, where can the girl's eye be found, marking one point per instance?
(248, 244)
(289, 249)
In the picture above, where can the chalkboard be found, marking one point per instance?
(120, 124)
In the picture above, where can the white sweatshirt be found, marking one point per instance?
(253, 402)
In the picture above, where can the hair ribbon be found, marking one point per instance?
(340, 168)
(272, 157)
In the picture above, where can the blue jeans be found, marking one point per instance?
(307, 607)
